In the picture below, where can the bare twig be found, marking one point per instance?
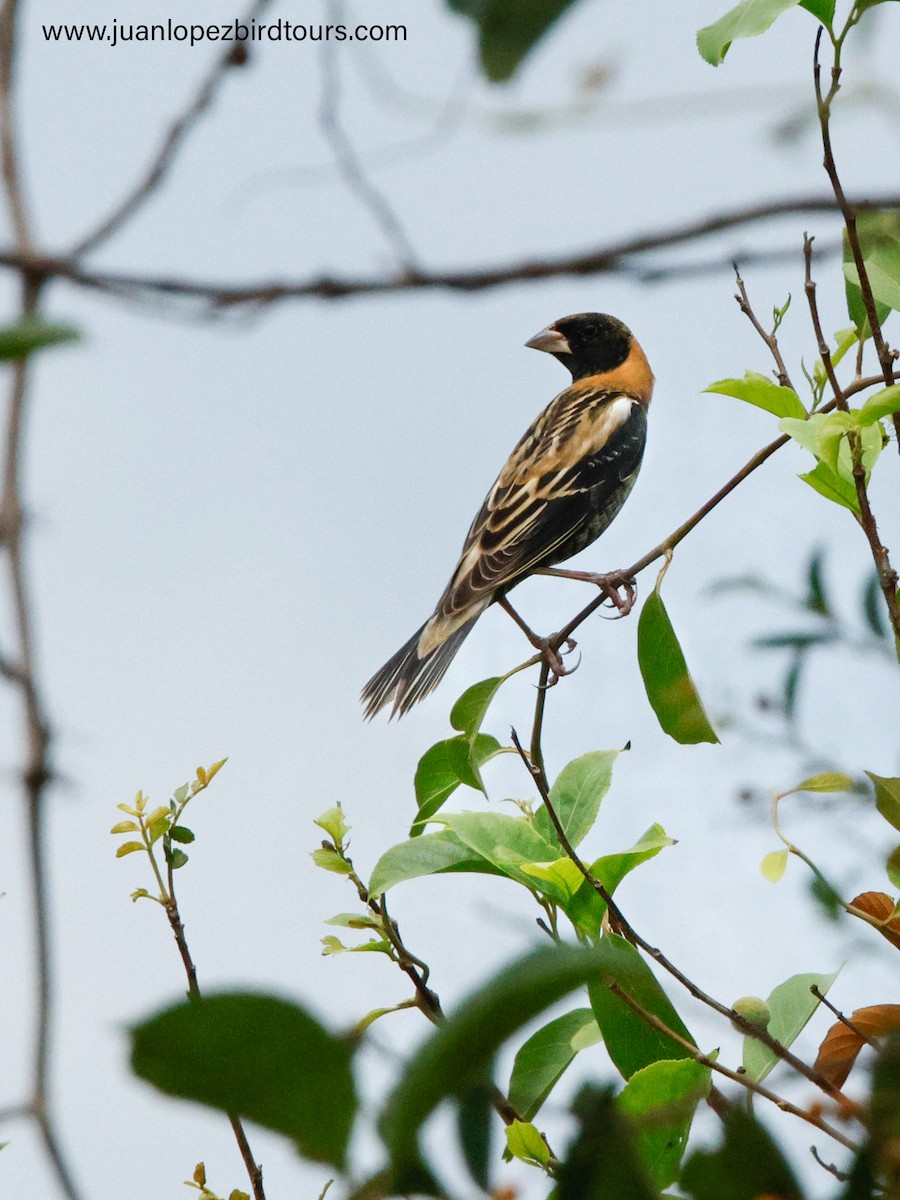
(222, 296)
(253, 1168)
(886, 357)
(824, 351)
(346, 158)
(628, 931)
(769, 338)
(174, 139)
(811, 1117)
(841, 1176)
(840, 1016)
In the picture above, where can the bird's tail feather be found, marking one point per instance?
(406, 678)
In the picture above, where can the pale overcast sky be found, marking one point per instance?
(235, 522)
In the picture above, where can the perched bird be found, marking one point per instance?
(563, 484)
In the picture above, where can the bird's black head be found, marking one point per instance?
(586, 343)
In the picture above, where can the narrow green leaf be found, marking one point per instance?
(827, 781)
(661, 1100)
(669, 687)
(747, 1166)
(125, 827)
(353, 921)
(474, 1124)
(330, 860)
(525, 1143)
(446, 766)
(774, 865)
(31, 334)
(257, 1056)
(470, 709)
(763, 392)
(431, 854)
(508, 30)
(887, 798)
(873, 606)
(541, 1060)
(791, 1005)
(748, 19)
(632, 1043)
(816, 596)
(576, 796)
(459, 1053)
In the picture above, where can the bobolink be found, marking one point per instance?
(563, 484)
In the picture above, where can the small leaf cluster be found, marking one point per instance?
(198, 1183)
(162, 825)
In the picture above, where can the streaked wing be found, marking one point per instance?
(561, 487)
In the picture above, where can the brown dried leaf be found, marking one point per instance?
(841, 1045)
(880, 906)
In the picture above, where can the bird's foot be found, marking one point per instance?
(620, 590)
(552, 657)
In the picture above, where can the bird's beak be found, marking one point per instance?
(551, 340)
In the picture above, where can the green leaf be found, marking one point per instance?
(774, 865)
(431, 854)
(816, 596)
(505, 841)
(256, 1056)
(872, 606)
(879, 239)
(444, 767)
(882, 404)
(330, 860)
(129, 848)
(832, 486)
(660, 1100)
(763, 392)
(748, 19)
(576, 796)
(827, 781)
(541, 1060)
(353, 921)
(508, 30)
(586, 908)
(181, 833)
(459, 1053)
(893, 867)
(474, 1117)
(334, 824)
(632, 1043)
(525, 1143)
(887, 798)
(31, 334)
(669, 687)
(601, 1162)
(791, 1005)
(470, 709)
(177, 858)
(747, 1166)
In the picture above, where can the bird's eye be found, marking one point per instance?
(590, 329)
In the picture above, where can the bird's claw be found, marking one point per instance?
(553, 660)
(612, 585)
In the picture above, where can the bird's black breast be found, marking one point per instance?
(600, 484)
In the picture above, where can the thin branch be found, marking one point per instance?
(222, 296)
(346, 158)
(175, 137)
(537, 753)
(824, 351)
(253, 1168)
(743, 1079)
(820, 996)
(769, 338)
(740, 1022)
(886, 357)
(9, 151)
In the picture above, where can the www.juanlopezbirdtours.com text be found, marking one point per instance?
(117, 33)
